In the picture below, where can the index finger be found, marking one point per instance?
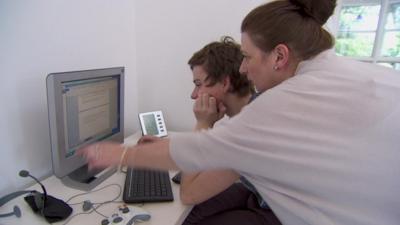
(212, 102)
(83, 151)
(204, 100)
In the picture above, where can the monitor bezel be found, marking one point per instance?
(62, 165)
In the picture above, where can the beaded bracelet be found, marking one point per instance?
(122, 157)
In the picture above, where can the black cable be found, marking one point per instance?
(90, 192)
(94, 209)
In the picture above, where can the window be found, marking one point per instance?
(369, 30)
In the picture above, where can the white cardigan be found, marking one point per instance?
(322, 148)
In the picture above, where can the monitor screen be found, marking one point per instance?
(91, 111)
(84, 107)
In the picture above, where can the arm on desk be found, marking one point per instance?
(199, 187)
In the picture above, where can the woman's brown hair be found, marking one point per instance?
(295, 23)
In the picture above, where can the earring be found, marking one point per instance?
(275, 68)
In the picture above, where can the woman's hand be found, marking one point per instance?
(154, 155)
(207, 112)
(147, 139)
(102, 154)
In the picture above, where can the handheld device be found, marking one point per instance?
(127, 215)
(152, 123)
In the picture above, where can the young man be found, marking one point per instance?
(218, 199)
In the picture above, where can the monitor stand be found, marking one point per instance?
(85, 180)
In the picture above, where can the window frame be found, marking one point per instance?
(376, 55)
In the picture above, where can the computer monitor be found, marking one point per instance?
(84, 107)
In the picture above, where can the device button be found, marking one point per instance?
(105, 222)
(131, 221)
(125, 210)
(117, 219)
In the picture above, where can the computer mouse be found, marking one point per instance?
(177, 178)
(134, 214)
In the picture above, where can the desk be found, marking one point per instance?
(168, 213)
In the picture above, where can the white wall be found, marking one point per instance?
(43, 36)
(332, 25)
(168, 33)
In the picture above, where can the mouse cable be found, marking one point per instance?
(94, 208)
(101, 214)
(90, 192)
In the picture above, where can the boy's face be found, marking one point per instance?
(201, 85)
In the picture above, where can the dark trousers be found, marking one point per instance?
(235, 205)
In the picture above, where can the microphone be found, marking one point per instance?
(25, 173)
(51, 208)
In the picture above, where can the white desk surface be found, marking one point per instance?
(168, 213)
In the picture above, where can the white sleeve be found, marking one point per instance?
(218, 148)
(196, 151)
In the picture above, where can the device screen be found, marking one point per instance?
(150, 124)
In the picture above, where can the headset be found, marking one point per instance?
(51, 208)
(9, 197)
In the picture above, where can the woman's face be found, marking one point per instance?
(201, 85)
(257, 65)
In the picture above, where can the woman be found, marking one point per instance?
(321, 146)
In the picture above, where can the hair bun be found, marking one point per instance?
(319, 10)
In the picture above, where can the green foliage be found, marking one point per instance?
(348, 16)
(352, 45)
(357, 31)
(394, 11)
(395, 50)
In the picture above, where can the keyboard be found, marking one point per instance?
(143, 185)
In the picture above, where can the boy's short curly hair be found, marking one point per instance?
(222, 59)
